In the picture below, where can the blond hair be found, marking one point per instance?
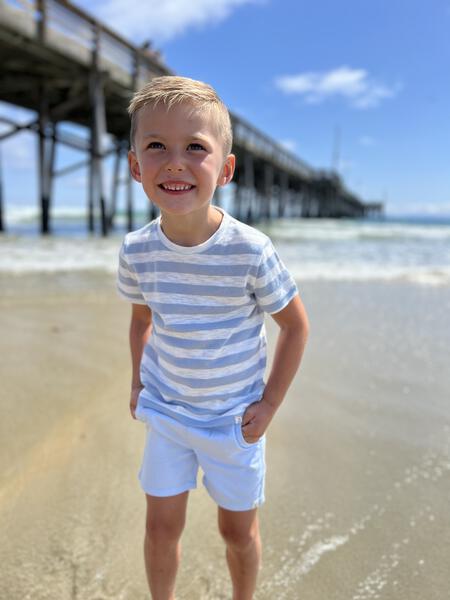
(170, 90)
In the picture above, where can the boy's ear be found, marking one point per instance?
(134, 166)
(227, 170)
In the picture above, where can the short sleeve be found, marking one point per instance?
(273, 286)
(127, 282)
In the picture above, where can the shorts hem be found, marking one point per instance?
(163, 493)
(241, 508)
(235, 506)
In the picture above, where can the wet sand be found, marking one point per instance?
(358, 456)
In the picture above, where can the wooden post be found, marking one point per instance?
(46, 144)
(283, 192)
(287, 210)
(268, 190)
(114, 187)
(46, 155)
(41, 23)
(306, 201)
(92, 182)
(297, 204)
(98, 129)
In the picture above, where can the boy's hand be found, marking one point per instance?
(256, 419)
(135, 391)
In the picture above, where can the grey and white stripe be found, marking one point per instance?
(205, 360)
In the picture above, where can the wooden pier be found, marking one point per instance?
(64, 65)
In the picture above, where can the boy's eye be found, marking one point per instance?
(196, 146)
(156, 145)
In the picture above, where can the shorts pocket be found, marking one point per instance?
(142, 414)
(241, 441)
(137, 412)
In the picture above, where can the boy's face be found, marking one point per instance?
(179, 158)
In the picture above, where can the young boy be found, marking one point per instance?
(200, 282)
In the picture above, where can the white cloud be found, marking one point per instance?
(161, 20)
(354, 85)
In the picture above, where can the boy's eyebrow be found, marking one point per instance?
(195, 136)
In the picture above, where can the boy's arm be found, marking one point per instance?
(140, 330)
(294, 328)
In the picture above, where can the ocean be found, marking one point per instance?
(403, 249)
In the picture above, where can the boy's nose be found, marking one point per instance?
(174, 163)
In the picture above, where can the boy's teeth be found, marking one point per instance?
(176, 188)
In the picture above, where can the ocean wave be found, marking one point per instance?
(302, 230)
(426, 276)
(22, 255)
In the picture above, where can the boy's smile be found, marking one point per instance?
(176, 187)
(179, 159)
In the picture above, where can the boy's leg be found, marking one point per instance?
(164, 525)
(240, 530)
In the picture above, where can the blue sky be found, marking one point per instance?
(374, 73)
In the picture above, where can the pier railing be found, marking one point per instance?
(70, 31)
(255, 141)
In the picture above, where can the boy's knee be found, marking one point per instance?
(239, 539)
(164, 530)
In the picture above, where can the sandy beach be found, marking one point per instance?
(358, 482)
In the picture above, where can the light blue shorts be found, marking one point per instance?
(233, 469)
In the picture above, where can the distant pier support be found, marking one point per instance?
(98, 133)
(374, 209)
(283, 194)
(46, 158)
(268, 191)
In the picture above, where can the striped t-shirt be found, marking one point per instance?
(205, 359)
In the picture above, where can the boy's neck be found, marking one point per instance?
(192, 229)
